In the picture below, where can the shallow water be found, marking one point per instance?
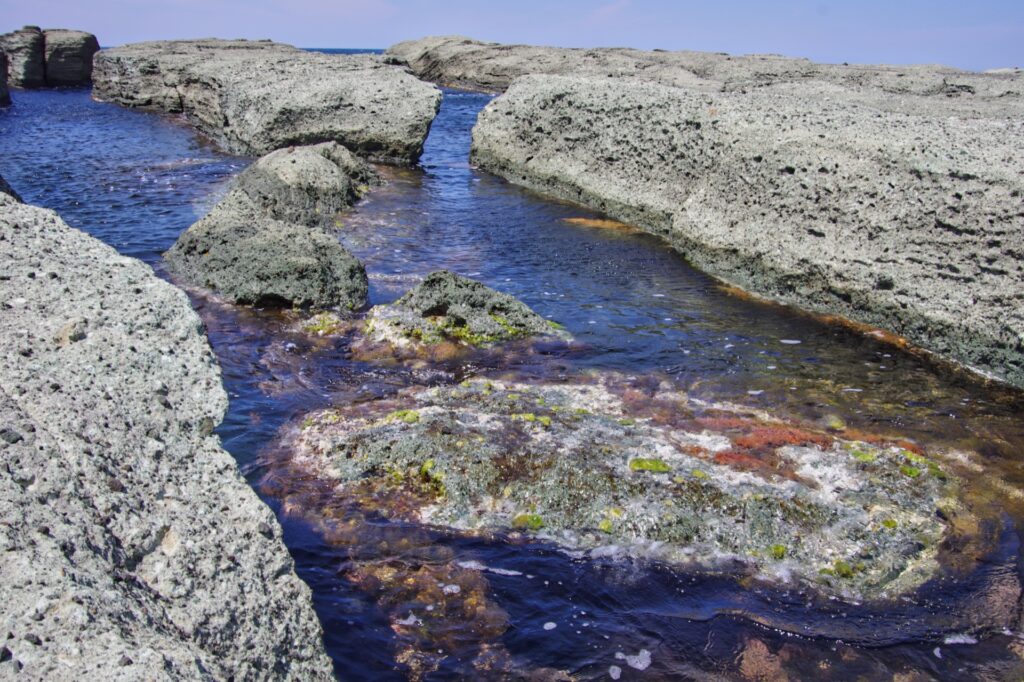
(136, 180)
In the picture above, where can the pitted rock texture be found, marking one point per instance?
(130, 546)
(256, 96)
(911, 222)
(24, 50)
(68, 56)
(268, 241)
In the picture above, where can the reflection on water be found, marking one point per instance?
(136, 180)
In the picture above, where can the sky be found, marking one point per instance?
(970, 34)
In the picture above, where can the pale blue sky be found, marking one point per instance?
(973, 34)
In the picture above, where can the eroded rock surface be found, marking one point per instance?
(268, 241)
(130, 546)
(68, 56)
(449, 308)
(256, 96)
(609, 465)
(24, 50)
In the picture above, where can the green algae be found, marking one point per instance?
(777, 552)
(527, 522)
(652, 465)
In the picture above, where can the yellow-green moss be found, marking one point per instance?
(655, 466)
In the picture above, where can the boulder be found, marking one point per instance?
(446, 307)
(69, 56)
(130, 545)
(256, 96)
(268, 241)
(25, 57)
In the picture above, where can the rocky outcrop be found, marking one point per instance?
(132, 548)
(5, 188)
(55, 57)
(446, 307)
(5, 96)
(267, 242)
(25, 60)
(69, 57)
(254, 97)
(888, 195)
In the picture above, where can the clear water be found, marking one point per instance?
(136, 180)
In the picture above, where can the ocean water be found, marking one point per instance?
(136, 180)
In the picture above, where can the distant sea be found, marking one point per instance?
(345, 50)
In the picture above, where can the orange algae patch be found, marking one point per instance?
(772, 437)
(603, 224)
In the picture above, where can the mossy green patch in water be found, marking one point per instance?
(655, 466)
(405, 416)
(527, 522)
(777, 552)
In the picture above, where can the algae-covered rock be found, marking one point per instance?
(650, 472)
(266, 242)
(446, 307)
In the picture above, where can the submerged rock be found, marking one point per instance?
(267, 242)
(68, 56)
(448, 308)
(256, 96)
(25, 57)
(130, 545)
(612, 467)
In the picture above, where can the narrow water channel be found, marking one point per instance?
(137, 180)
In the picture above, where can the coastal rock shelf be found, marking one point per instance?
(891, 196)
(256, 96)
(132, 548)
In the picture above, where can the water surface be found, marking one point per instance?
(136, 180)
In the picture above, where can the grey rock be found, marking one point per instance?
(25, 57)
(132, 548)
(5, 95)
(887, 195)
(267, 242)
(448, 307)
(256, 96)
(69, 56)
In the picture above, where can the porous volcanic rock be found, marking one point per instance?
(612, 462)
(446, 307)
(130, 545)
(890, 195)
(268, 242)
(25, 57)
(68, 56)
(256, 96)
